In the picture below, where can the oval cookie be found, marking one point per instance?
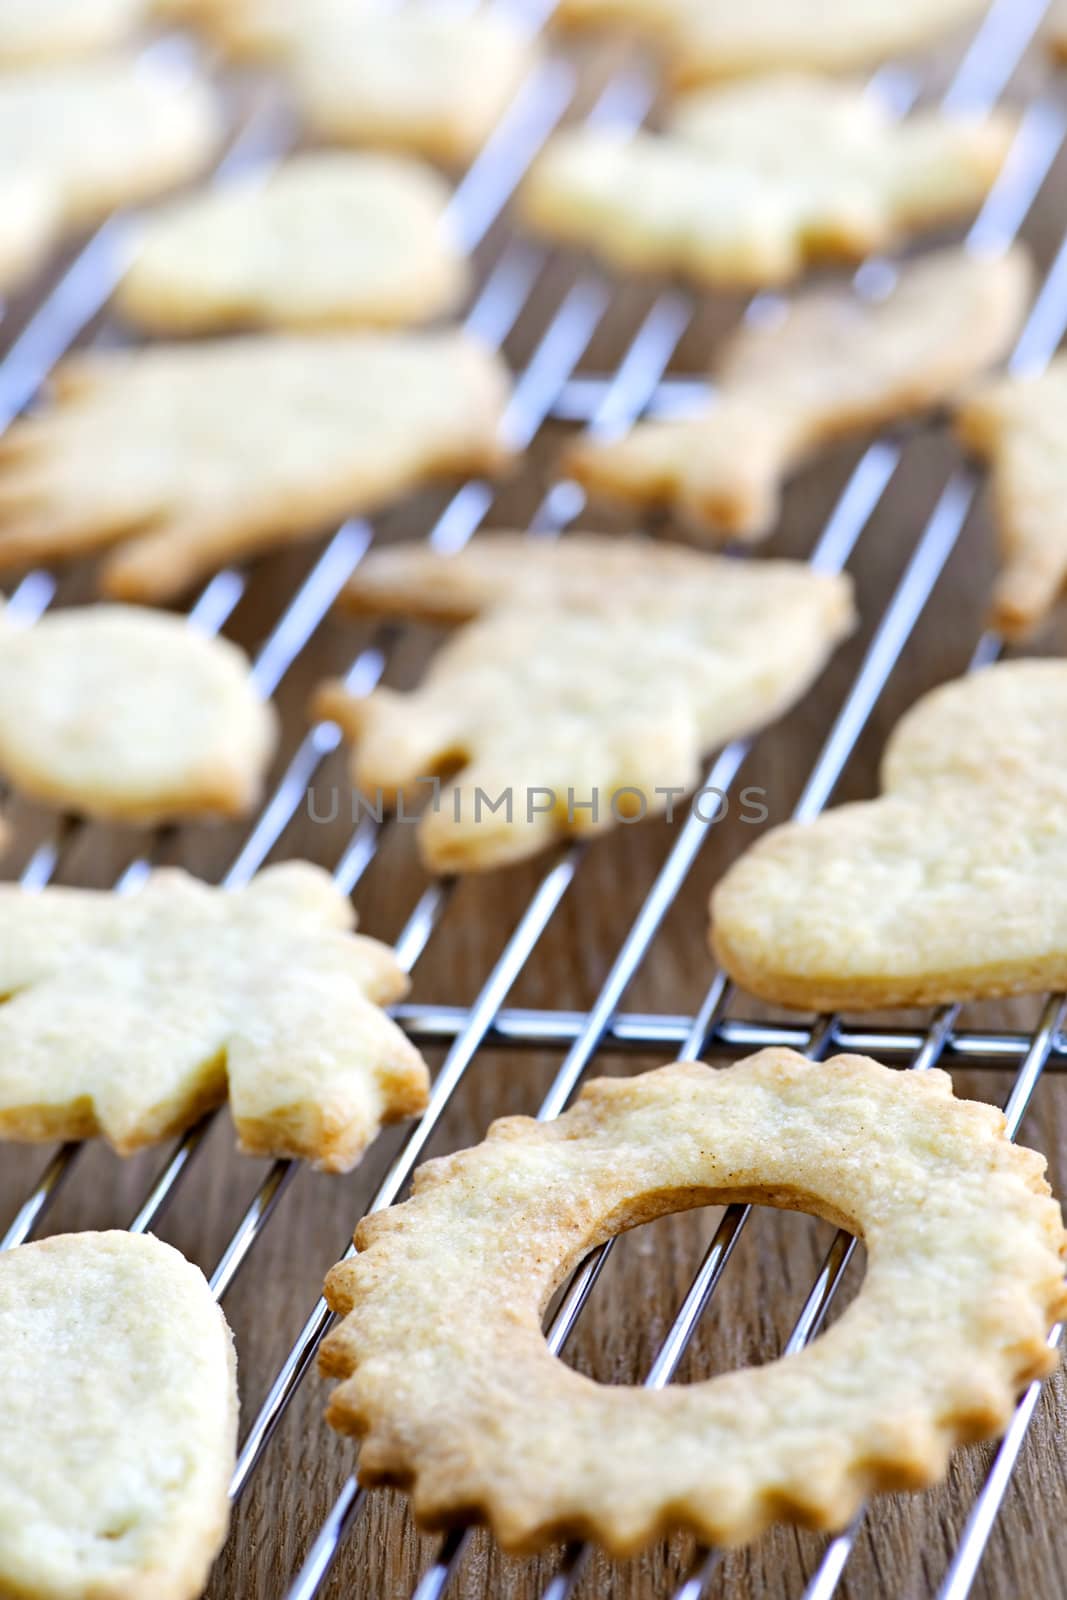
(119, 1396)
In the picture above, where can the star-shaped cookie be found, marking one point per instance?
(750, 184)
(130, 1015)
(831, 363)
(592, 678)
(190, 456)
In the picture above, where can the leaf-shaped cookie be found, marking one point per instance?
(948, 887)
(594, 677)
(189, 456)
(705, 40)
(51, 30)
(119, 1396)
(1019, 425)
(87, 137)
(833, 364)
(131, 1015)
(130, 715)
(422, 77)
(330, 239)
(749, 185)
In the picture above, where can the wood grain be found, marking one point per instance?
(906, 1542)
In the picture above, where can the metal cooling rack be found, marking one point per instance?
(545, 386)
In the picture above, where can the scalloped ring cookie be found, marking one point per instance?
(452, 1387)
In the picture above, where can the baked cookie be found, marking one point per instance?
(189, 456)
(30, 219)
(33, 31)
(131, 716)
(1056, 29)
(260, 30)
(1019, 425)
(456, 1396)
(131, 1015)
(708, 40)
(593, 677)
(118, 1386)
(750, 185)
(331, 239)
(946, 888)
(418, 77)
(78, 140)
(835, 363)
(1003, 722)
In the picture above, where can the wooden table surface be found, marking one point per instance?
(906, 1542)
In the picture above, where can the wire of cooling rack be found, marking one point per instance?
(546, 385)
(642, 1032)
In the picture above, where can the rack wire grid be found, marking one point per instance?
(549, 319)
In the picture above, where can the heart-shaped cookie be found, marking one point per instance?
(948, 887)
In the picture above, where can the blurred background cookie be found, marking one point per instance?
(341, 239)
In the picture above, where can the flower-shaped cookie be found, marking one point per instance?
(451, 1386)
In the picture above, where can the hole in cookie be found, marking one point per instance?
(749, 1318)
